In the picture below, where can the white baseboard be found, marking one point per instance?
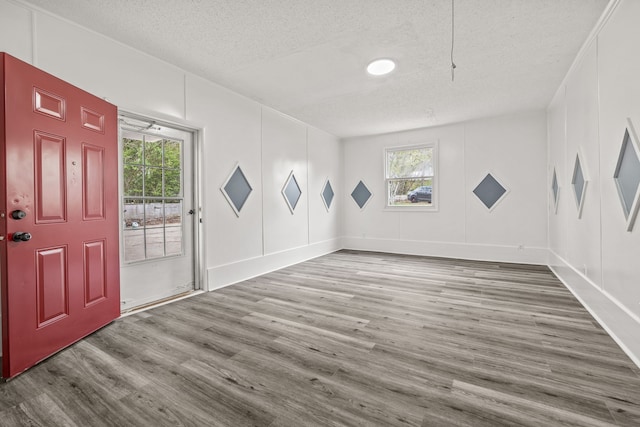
(228, 274)
(476, 252)
(620, 323)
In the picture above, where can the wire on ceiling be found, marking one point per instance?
(453, 64)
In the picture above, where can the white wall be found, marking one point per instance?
(234, 130)
(594, 254)
(237, 123)
(582, 136)
(267, 145)
(16, 31)
(513, 148)
(284, 151)
(103, 67)
(324, 163)
(556, 131)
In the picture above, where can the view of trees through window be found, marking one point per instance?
(152, 175)
(151, 168)
(409, 176)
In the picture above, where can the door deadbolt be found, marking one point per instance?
(18, 214)
(21, 236)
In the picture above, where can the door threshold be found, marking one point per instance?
(160, 302)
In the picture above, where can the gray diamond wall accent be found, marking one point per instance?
(579, 183)
(236, 189)
(555, 190)
(327, 195)
(361, 194)
(627, 175)
(489, 191)
(291, 192)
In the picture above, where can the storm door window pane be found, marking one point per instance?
(132, 149)
(133, 223)
(153, 181)
(154, 228)
(172, 154)
(173, 227)
(153, 151)
(153, 196)
(133, 180)
(134, 244)
(172, 183)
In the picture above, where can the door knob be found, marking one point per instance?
(18, 214)
(21, 236)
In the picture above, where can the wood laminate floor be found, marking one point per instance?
(351, 338)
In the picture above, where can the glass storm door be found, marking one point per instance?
(158, 212)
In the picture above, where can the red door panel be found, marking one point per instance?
(59, 155)
(49, 104)
(93, 182)
(50, 178)
(95, 279)
(52, 285)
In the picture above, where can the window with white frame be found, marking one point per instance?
(410, 174)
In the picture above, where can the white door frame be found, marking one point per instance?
(199, 269)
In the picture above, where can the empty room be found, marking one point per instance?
(320, 213)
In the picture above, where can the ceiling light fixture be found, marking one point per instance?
(380, 67)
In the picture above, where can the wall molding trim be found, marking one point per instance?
(471, 251)
(617, 320)
(228, 274)
(593, 35)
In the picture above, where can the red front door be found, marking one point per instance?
(58, 214)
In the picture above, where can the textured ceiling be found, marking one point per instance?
(307, 58)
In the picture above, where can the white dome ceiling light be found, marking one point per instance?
(380, 67)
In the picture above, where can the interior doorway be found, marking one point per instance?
(159, 215)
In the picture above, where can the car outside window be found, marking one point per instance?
(410, 176)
